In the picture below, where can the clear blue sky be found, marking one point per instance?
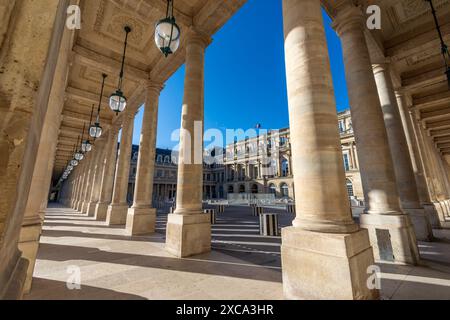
(245, 79)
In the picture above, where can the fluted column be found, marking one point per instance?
(188, 229)
(404, 174)
(324, 253)
(107, 180)
(96, 176)
(141, 217)
(383, 217)
(117, 211)
(416, 158)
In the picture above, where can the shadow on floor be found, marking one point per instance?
(56, 290)
(203, 264)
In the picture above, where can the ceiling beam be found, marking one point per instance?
(436, 114)
(432, 100)
(95, 60)
(440, 133)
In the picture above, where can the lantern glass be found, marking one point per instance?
(167, 36)
(69, 168)
(79, 156)
(95, 131)
(117, 102)
(74, 163)
(86, 146)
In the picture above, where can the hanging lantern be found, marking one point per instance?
(117, 101)
(86, 146)
(79, 156)
(444, 48)
(69, 168)
(167, 32)
(96, 131)
(74, 163)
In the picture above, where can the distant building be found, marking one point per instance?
(243, 167)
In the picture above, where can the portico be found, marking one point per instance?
(399, 99)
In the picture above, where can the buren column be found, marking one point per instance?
(325, 255)
(142, 217)
(390, 230)
(406, 182)
(188, 229)
(117, 211)
(107, 181)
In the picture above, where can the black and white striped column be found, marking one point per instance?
(268, 224)
(211, 212)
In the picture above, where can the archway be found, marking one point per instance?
(254, 188)
(230, 189)
(242, 188)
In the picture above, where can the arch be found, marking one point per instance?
(230, 189)
(254, 188)
(273, 188)
(242, 188)
(284, 189)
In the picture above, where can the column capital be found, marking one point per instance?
(197, 36)
(154, 85)
(348, 17)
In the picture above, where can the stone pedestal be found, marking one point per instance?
(321, 265)
(101, 211)
(141, 221)
(392, 237)
(188, 235)
(117, 214)
(91, 207)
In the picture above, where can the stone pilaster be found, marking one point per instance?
(188, 229)
(325, 254)
(383, 217)
(117, 211)
(87, 188)
(107, 183)
(141, 217)
(404, 174)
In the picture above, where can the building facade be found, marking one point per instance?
(244, 168)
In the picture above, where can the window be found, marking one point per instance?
(350, 190)
(167, 159)
(346, 162)
(341, 126)
(159, 159)
(285, 190)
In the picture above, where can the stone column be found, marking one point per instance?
(28, 62)
(188, 229)
(97, 176)
(403, 102)
(117, 211)
(404, 174)
(83, 172)
(142, 216)
(90, 167)
(383, 217)
(107, 181)
(325, 255)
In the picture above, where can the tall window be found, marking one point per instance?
(346, 162)
(351, 193)
(341, 126)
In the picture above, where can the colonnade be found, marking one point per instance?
(325, 254)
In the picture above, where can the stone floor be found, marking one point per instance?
(242, 265)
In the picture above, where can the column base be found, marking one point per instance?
(90, 210)
(12, 284)
(117, 215)
(326, 265)
(101, 211)
(441, 213)
(30, 235)
(421, 223)
(84, 207)
(432, 213)
(392, 237)
(141, 221)
(78, 206)
(188, 235)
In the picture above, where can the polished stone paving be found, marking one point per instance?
(243, 265)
